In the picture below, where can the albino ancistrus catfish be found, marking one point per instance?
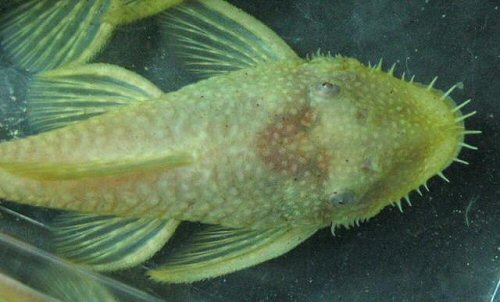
(267, 149)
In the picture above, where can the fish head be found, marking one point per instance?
(375, 137)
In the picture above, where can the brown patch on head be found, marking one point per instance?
(285, 147)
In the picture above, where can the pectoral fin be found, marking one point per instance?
(215, 37)
(108, 243)
(52, 171)
(218, 250)
(64, 96)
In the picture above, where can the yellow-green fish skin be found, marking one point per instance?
(297, 142)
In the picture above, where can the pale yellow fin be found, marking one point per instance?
(107, 243)
(218, 250)
(64, 96)
(51, 171)
(215, 37)
(45, 34)
(41, 35)
(131, 10)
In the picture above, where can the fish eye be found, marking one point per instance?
(342, 198)
(327, 89)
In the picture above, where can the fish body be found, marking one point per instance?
(268, 148)
(273, 149)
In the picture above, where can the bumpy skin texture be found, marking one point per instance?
(317, 142)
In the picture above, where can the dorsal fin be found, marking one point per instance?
(214, 37)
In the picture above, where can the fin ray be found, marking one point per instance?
(215, 33)
(43, 35)
(113, 243)
(64, 96)
(219, 250)
(130, 10)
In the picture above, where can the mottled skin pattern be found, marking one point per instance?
(289, 143)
